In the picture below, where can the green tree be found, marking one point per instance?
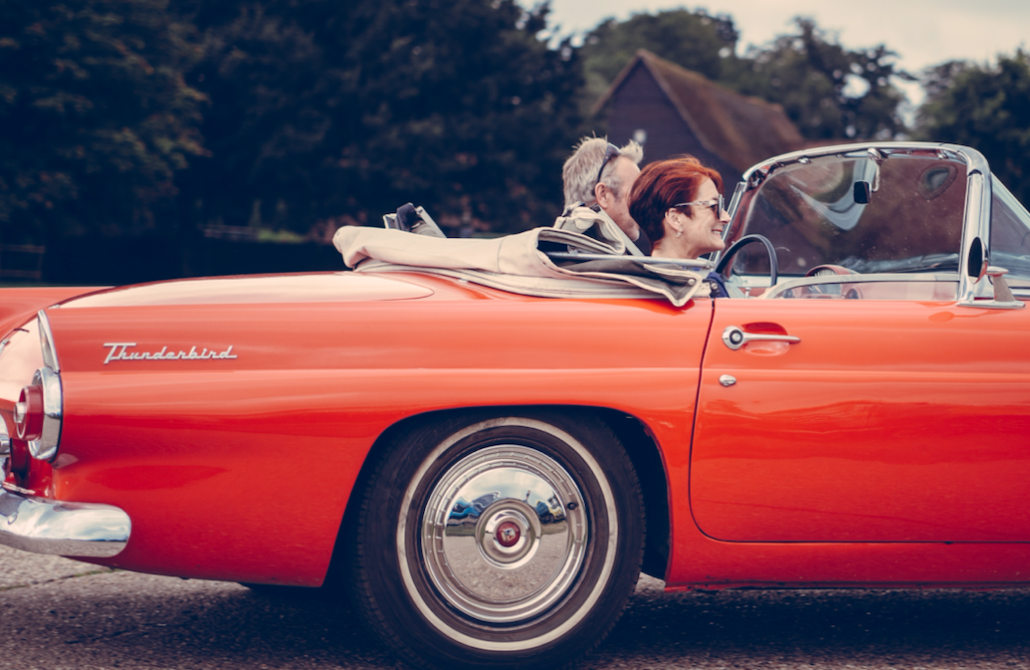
(692, 39)
(95, 117)
(266, 123)
(986, 107)
(323, 109)
(830, 92)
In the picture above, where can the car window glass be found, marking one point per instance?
(1010, 232)
(903, 214)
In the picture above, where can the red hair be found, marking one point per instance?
(663, 184)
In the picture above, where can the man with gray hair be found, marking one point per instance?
(597, 180)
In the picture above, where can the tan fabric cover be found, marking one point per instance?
(599, 226)
(517, 255)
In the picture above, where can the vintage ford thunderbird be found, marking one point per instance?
(487, 457)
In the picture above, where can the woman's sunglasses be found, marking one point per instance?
(715, 205)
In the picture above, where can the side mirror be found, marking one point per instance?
(977, 261)
(863, 192)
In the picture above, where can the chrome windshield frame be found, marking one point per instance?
(976, 221)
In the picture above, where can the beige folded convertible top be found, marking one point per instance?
(519, 263)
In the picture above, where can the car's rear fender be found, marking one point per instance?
(18, 305)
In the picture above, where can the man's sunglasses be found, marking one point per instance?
(715, 205)
(609, 153)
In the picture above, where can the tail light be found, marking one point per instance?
(28, 413)
(38, 412)
(39, 422)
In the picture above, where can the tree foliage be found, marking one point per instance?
(692, 39)
(829, 91)
(95, 115)
(123, 116)
(986, 107)
(333, 110)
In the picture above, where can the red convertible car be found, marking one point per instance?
(487, 460)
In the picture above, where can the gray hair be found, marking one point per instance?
(579, 175)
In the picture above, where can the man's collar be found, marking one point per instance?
(601, 212)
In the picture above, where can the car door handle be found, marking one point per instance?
(734, 337)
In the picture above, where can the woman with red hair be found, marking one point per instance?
(678, 203)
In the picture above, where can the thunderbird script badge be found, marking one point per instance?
(120, 352)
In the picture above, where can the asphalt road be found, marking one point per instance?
(56, 613)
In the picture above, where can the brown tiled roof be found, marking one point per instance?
(740, 129)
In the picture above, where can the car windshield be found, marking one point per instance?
(902, 213)
(1010, 232)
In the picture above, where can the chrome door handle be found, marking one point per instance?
(734, 337)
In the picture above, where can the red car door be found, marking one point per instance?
(889, 421)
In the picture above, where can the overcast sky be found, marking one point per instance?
(922, 32)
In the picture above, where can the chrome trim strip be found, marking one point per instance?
(856, 279)
(46, 341)
(45, 448)
(45, 526)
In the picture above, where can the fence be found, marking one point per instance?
(21, 261)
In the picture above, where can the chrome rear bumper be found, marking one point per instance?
(63, 528)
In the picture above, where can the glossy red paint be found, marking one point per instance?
(887, 448)
(849, 459)
(257, 455)
(20, 305)
(888, 422)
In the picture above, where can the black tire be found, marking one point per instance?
(504, 589)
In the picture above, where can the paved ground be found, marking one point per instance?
(56, 614)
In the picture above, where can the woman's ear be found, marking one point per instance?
(673, 222)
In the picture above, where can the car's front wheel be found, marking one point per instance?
(539, 573)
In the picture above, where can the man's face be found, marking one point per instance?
(618, 208)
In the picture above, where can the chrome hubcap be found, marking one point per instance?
(500, 540)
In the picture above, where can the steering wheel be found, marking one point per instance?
(774, 270)
(830, 290)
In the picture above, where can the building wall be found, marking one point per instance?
(640, 104)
